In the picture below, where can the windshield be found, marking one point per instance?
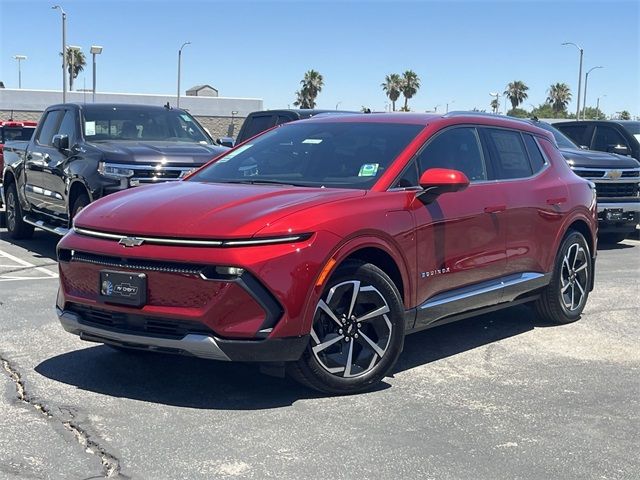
(143, 124)
(340, 155)
(16, 133)
(561, 139)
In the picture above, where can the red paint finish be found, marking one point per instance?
(483, 231)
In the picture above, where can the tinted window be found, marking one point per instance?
(577, 133)
(409, 177)
(537, 160)
(341, 155)
(458, 149)
(16, 133)
(283, 119)
(509, 154)
(49, 127)
(606, 138)
(258, 124)
(68, 126)
(561, 139)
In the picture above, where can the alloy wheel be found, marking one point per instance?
(11, 211)
(574, 277)
(351, 330)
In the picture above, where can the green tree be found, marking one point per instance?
(592, 113)
(516, 92)
(625, 115)
(75, 64)
(559, 96)
(519, 113)
(410, 86)
(391, 86)
(495, 105)
(312, 84)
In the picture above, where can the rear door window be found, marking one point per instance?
(537, 160)
(49, 127)
(508, 153)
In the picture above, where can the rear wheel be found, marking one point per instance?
(357, 332)
(564, 299)
(16, 226)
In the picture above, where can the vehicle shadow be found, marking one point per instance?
(196, 383)
(614, 246)
(41, 245)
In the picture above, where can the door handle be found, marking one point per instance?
(495, 208)
(556, 201)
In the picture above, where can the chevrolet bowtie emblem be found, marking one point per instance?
(614, 174)
(131, 241)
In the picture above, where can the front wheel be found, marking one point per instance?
(564, 299)
(357, 332)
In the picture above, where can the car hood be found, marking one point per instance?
(202, 210)
(161, 152)
(577, 157)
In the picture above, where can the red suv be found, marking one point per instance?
(318, 245)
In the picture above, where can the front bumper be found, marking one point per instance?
(610, 220)
(198, 345)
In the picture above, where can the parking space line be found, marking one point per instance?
(24, 263)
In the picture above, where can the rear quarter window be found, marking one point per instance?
(537, 160)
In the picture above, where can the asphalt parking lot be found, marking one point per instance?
(497, 396)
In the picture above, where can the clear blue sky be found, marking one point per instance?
(462, 50)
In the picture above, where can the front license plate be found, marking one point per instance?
(613, 214)
(123, 288)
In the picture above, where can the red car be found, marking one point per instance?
(316, 246)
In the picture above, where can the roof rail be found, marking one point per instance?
(460, 113)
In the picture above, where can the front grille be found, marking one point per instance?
(160, 173)
(631, 173)
(137, 324)
(617, 190)
(589, 173)
(145, 265)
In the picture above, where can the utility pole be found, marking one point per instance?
(64, 52)
(579, 78)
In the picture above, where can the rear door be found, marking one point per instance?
(460, 236)
(608, 139)
(536, 201)
(39, 154)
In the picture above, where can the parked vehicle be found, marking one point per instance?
(12, 131)
(613, 136)
(258, 122)
(317, 246)
(81, 152)
(617, 180)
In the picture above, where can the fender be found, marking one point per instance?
(343, 250)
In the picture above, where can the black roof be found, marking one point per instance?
(300, 112)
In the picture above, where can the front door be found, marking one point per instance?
(460, 236)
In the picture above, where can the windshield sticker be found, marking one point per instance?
(368, 170)
(235, 152)
(314, 141)
(89, 129)
(185, 117)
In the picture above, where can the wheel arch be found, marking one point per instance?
(76, 189)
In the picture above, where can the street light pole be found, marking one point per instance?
(584, 102)
(95, 50)
(451, 102)
(19, 58)
(337, 105)
(64, 52)
(598, 102)
(579, 77)
(179, 62)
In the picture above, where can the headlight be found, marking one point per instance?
(114, 171)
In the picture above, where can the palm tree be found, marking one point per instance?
(495, 105)
(410, 86)
(75, 64)
(516, 92)
(312, 84)
(559, 97)
(391, 86)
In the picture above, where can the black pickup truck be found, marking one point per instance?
(81, 152)
(617, 181)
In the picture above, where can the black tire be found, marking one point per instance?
(16, 226)
(571, 279)
(368, 289)
(612, 238)
(80, 202)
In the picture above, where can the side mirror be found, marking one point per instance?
(584, 147)
(61, 142)
(437, 181)
(226, 142)
(619, 149)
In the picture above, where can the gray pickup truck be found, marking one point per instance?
(81, 152)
